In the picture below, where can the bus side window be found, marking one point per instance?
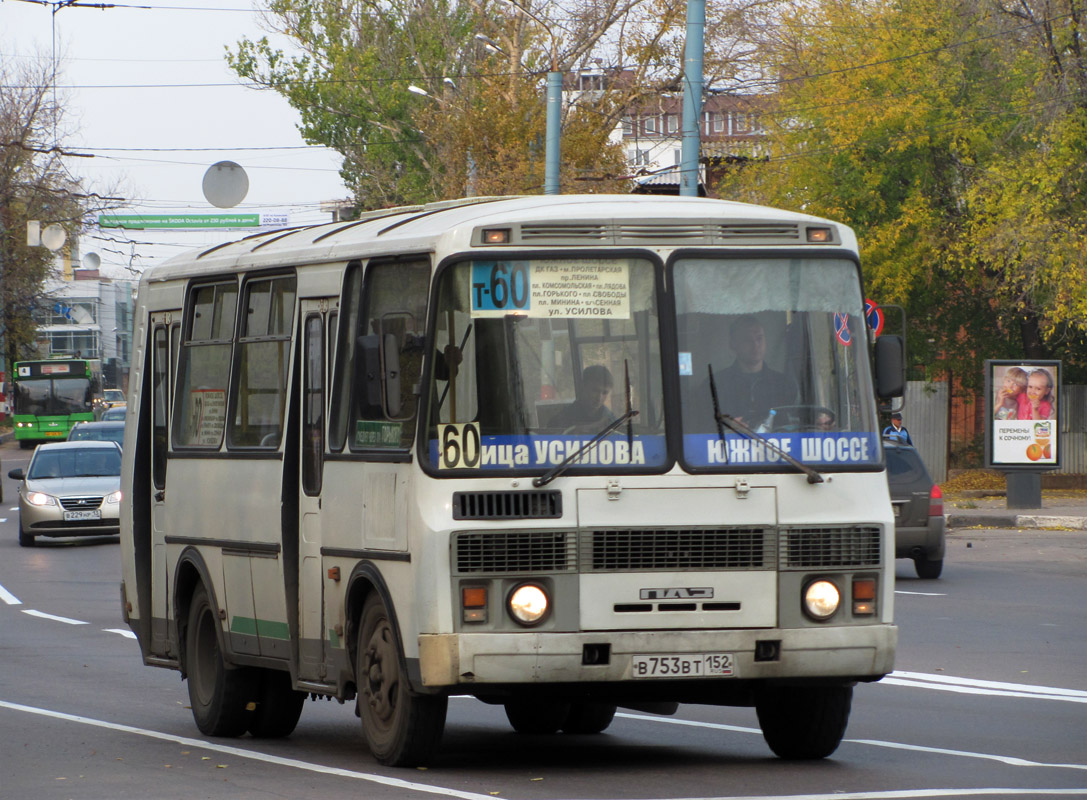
(160, 406)
(204, 366)
(389, 346)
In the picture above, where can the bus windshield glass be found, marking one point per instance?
(54, 396)
(784, 340)
(536, 357)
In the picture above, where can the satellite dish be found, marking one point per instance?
(54, 237)
(92, 261)
(225, 184)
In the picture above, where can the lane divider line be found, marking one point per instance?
(54, 617)
(9, 598)
(254, 755)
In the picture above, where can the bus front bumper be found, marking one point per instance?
(852, 652)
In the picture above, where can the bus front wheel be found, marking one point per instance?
(218, 693)
(804, 722)
(401, 728)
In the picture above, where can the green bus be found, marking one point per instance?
(51, 396)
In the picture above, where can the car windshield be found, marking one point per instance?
(780, 346)
(535, 357)
(75, 463)
(94, 433)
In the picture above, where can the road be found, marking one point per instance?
(989, 698)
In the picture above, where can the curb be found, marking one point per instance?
(1015, 521)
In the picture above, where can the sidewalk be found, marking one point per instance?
(1060, 509)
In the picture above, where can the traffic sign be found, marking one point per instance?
(873, 315)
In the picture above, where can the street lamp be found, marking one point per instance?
(554, 105)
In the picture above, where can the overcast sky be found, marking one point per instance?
(148, 93)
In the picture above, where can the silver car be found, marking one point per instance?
(70, 489)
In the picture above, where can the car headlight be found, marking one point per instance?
(528, 604)
(114, 497)
(40, 499)
(821, 599)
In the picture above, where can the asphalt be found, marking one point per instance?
(1059, 509)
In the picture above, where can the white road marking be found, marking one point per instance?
(922, 594)
(9, 598)
(250, 754)
(126, 633)
(1011, 760)
(950, 683)
(54, 617)
(894, 794)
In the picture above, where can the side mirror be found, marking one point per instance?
(890, 366)
(17, 474)
(377, 375)
(390, 362)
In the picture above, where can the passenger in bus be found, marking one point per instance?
(589, 413)
(747, 389)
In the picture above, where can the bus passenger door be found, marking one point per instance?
(313, 638)
(163, 349)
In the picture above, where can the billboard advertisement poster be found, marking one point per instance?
(1023, 414)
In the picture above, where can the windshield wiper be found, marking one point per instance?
(717, 413)
(739, 427)
(628, 415)
(558, 469)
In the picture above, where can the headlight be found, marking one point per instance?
(821, 599)
(528, 604)
(40, 499)
(114, 497)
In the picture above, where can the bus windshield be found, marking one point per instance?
(535, 357)
(54, 396)
(778, 345)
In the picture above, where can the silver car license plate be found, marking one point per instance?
(77, 516)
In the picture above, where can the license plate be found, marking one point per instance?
(76, 516)
(685, 665)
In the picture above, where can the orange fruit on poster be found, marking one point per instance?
(1034, 452)
(1047, 451)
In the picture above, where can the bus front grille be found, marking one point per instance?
(804, 548)
(697, 549)
(507, 505)
(514, 551)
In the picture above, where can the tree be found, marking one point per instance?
(951, 136)
(34, 185)
(482, 63)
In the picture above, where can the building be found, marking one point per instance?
(90, 317)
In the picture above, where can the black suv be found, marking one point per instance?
(919, 510)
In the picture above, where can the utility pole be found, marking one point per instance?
(691, 142)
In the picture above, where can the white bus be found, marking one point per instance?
(564, 454)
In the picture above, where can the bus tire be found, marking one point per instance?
(401, 728)
(589, 717)
(537, 716)
(278, 707)
(804, 722)
(218, 693)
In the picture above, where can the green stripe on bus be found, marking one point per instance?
(267, 628)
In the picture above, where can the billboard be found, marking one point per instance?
(1023, 414)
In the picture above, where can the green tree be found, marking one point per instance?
(34, 185)
(483, 64)
(951, 136)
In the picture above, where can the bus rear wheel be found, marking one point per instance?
(278, 707)
(537, 716)
(218, 693)
(589, 717)
(402, 728)
(804, 722)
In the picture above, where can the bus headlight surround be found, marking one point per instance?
(821, 599)
(528, 604)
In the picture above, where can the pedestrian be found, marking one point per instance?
(897, 431)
